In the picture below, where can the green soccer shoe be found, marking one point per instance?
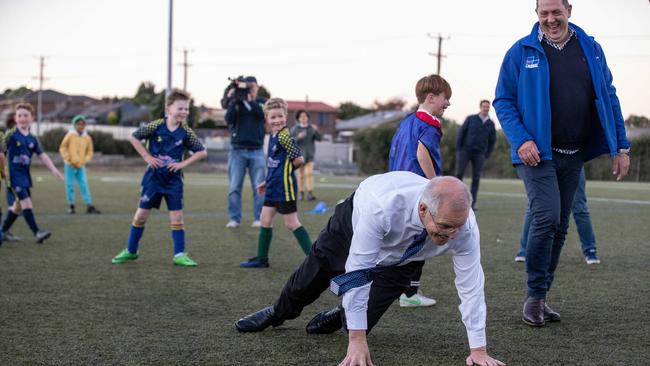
(184, 260)
(124, 256)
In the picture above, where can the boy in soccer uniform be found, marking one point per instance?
(280, 187)
(416, 148)
(21, 145)
(167, 139)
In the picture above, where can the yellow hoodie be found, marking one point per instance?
(76, 149)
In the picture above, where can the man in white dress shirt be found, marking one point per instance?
(372, 230)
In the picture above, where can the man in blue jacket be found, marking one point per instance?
(558, 108)
(245, 118)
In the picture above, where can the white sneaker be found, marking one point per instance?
(256, 223)
(232, 224)
(416, 300)
(520, 258)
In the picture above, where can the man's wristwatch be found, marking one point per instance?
(624, 151)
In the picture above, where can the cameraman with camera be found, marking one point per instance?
(245, 119)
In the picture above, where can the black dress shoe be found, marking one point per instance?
(550, 315)
(258, 321)
(326, 322)
(534, 312)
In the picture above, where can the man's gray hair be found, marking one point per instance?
(564, 2)
(434, 195)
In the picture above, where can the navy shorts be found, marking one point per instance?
(283, 207)
(20, 192)
(150, 198)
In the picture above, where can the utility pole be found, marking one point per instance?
(39, 107)
(438, 55)
(169, 49)
(185, 66)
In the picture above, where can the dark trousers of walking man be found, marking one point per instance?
(463, 157)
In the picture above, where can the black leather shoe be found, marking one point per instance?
(326, 322)
(550, 315)
(258, 321)
(534, 312)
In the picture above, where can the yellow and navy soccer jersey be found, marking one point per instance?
(168, 146)
(20, 149)
(280, 179)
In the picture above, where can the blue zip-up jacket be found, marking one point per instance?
(522, 98)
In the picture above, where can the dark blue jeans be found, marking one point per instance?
(581, 216)
(551, 187)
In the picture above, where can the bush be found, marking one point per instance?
(51, 139)
(373, 146)
(103, 142)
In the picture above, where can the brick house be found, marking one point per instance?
(321, 114)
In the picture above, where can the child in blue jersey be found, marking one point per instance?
(168, 139)
(280, 187)
(416, 148)
(21, 145)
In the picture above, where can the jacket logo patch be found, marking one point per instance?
(532, 62)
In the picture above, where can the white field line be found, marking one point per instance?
(224, 183)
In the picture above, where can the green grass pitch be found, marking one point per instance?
(64, 303)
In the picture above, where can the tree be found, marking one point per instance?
(146, 93)
(158, 106)
(637, 121)
(349, 110)
(393, 104)
(113, 117)
(263, 92)
(193, 116)
(11, 93)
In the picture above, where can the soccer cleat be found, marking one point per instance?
(92, 210)
(417, 300)
(591, 257)
(71, 209)
(184, 260)
(258, 321)
(256, 223)
(520, 257)
(42, 235)
(232, 224)
(255, 263)
(8, 236)
(124, 256)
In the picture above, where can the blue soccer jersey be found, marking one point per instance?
(280, 178)
(20, 149)
(415, 128)
(168, 146)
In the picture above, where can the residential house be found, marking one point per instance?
(347, 128)
(321, 114)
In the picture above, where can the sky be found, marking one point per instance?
(331, 51)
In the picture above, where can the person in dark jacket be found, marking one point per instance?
(558, 108)
(475, 142)
(306, 134)
(246, 122)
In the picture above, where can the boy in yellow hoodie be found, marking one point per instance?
(76, 150)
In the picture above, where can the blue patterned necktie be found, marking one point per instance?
(349, 280)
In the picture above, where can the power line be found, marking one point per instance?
(40, 79)
(438, 55)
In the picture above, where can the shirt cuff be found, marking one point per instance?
(356, 320)
(476, 338)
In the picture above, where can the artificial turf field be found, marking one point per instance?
(64, 303)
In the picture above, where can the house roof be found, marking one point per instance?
(311, 106)
(371, 119)
(56, 96)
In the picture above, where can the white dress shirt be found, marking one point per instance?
(384, 221)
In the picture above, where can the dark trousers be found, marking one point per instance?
(551, 187)
(327, 259)
(478, 159)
